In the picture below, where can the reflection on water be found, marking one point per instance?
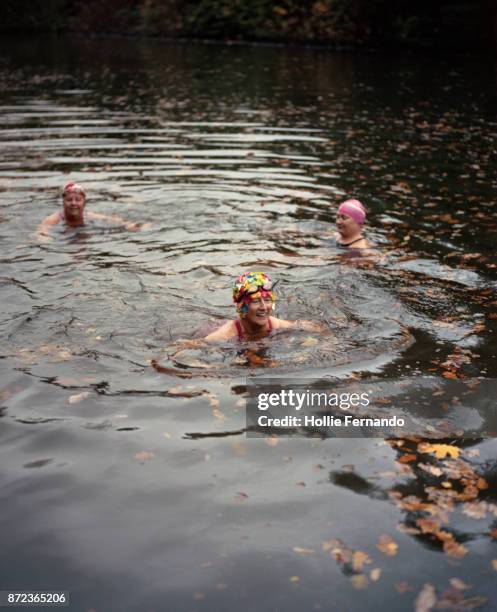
(236, 156)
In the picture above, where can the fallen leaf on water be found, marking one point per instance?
(375, 574)
(407, 458)
(494, 564)
(426, 599)
(440, 450)
(458, 584)
(476, 510)
(294, 579)
(447, 374)
(328, 545)
(482, 484)
(406, 529)
(431, 469)
(75, 399)
(454, 549)
(428, 526)
(271, 440)
(241, 496)
(144, 456)
(305, 552)
(359, 558)
(219, 415)
(341, 553)
(387, 546)
(359, 581)
(213, 400)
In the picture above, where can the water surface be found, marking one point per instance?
(136, 490)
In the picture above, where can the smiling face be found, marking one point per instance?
(74, 204)
(347, 227)
(259, 309)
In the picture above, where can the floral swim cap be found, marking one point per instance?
(250, 286)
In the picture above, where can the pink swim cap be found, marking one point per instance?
(74, 187)
(353, 209)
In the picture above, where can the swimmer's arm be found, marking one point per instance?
(129, 225)
(43, 230)
(311, 326)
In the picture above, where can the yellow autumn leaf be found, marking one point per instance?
(387, 546)
(359, 558)
(440, 450)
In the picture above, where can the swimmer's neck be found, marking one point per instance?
(253, 331)
(73, 220)
(346, 241)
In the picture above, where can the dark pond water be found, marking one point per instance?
(136, 490)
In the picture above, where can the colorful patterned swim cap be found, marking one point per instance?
(250, 286)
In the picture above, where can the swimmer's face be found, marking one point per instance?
(259, 309)
(74, 203)
(347, 226)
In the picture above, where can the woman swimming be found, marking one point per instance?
(350, 219)
(255, 298)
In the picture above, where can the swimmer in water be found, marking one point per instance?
(350, 220)
(73, 213)
(254, 298)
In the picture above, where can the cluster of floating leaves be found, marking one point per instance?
(456, 484)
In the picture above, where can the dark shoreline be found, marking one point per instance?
(402, 51)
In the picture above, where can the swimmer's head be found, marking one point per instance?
(73, 188)
(354, 209)
(252, 286)
(74, 199)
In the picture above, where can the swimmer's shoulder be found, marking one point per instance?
(227, 331)
(362, 244)
(53, 219)
(281, 323)
(94, 216)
